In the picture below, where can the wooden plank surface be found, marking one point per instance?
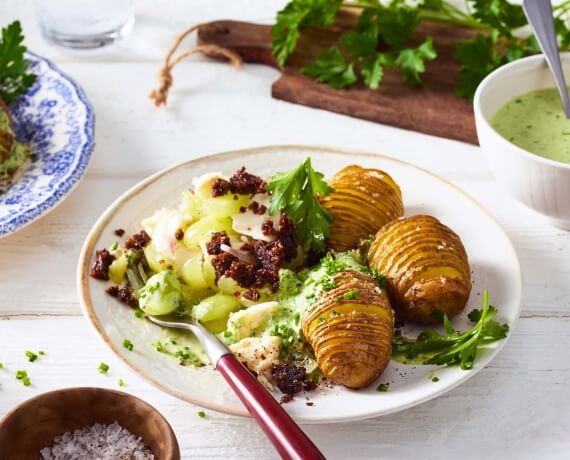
(432, 108)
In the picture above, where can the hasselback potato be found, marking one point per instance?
(350, 330)
(363, 201)
(425, 265)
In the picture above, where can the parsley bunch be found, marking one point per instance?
(381, 39)
(455, 347)
(14, 77)
(297, 193)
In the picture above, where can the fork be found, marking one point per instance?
(286, 436)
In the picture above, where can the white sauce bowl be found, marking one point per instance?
(541, 184)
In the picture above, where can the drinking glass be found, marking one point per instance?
(85, 24)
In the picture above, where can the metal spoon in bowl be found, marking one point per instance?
(541, 19)
(287, 437)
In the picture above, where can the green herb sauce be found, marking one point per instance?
(19, 152)
(536, 122)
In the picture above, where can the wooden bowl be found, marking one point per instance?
(35, 423)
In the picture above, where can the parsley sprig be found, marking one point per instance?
(455, 347)
(297, 193)
(14, 76)
(381, 39)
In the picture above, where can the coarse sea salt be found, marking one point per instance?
(98, 442)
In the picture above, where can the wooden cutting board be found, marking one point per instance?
(431, 109)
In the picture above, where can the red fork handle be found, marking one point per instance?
(287, 437)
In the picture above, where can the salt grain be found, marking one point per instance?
(98, 442)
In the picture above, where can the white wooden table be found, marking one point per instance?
(518, 407)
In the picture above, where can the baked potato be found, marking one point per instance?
(350, 330)
(363, 201)
(425, 265)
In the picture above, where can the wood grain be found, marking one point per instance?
(431, 109)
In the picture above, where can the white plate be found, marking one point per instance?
(493, 261)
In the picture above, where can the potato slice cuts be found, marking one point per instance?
(363, 201)
(350, 330)
(425, 265)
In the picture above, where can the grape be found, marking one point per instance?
(209, 274)
(225, 206)
(191, 205)
(161, 294)
(192, 273)
(156, 261)
(218, 306)
(202, 230)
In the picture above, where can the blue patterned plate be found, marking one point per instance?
(57, 119)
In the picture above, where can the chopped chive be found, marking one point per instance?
(41, 353)
(1, 365)
(139, 313)
(24, 377)
(31, 356)
(121, 383)
(227, 334)
(128, 344)
(435, 379)
(103, 368)
(383, 387)
(202, 414)
(351, 295)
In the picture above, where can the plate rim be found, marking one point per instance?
(82, 275)
(66, 187)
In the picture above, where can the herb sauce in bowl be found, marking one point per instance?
(536, 122)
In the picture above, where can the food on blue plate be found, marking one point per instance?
(14, 81)
(535, 122)
(426, 268)
(254, 261)
(13, 154)
(362, 201)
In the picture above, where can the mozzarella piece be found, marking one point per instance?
(259, 354)
(242, 323)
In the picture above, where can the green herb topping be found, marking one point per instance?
(455, 347)
(14, 77)
(296, 193)
(24, 377)
(383, 387)
(121, 383)
(31, 356)
(201, 414)
(128, 344)
(351, 295)
(103, 368)
(382, 38)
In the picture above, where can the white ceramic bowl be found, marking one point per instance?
(541, 184)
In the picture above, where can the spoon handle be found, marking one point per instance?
(287, 437)
(540, 17)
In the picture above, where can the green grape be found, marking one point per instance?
(156, 261)
(218, 306)
(202, 230)
(118, 268)
(229, 286)
(191, 205)
(217, 325)
(192, 274)
(209, 273)
(161, 294)
(225, 206)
